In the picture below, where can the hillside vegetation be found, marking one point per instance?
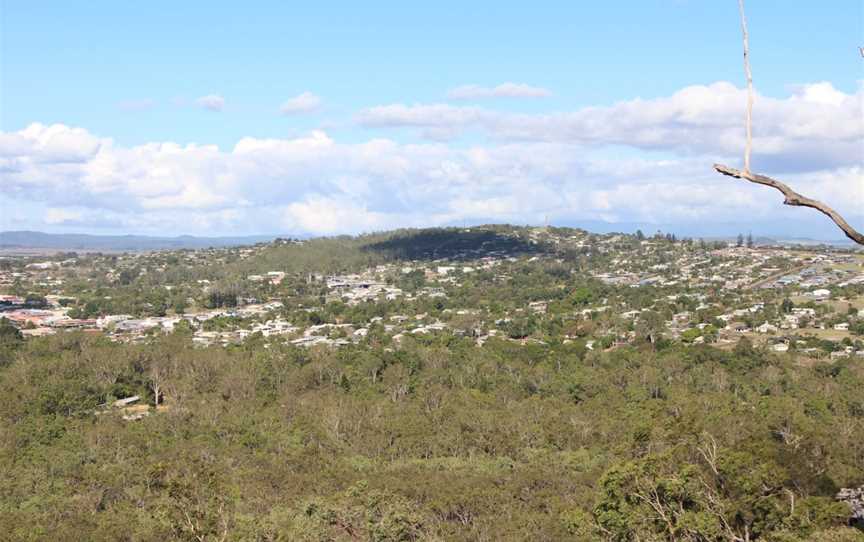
(570, 423)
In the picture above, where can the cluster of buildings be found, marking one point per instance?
(704, 294)
(354, 289)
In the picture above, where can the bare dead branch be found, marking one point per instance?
(794, 198)
(710, 454)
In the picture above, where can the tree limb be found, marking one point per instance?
(794, 198)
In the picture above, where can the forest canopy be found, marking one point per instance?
(436, 440)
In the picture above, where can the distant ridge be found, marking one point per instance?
(81, 241)
(11, 241)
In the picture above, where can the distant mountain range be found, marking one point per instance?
(10, 240)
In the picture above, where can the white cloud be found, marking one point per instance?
(817, 125)
(305, 102)
(642, 160)
(504, 90)
(323, 216)
(55, 215)
(54, 144)
(821, 93)
(211, 102)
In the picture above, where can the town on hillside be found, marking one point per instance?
(524, 285)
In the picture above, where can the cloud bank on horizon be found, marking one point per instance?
(633, 161)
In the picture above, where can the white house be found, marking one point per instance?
(820, 293)
(767, 328)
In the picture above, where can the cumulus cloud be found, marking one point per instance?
(211, 102)
(56, 144)
(816, 126)
(325, 215)
(637, 161)
(504, 90)
(305, 102)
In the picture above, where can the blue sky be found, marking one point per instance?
(217, 73)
